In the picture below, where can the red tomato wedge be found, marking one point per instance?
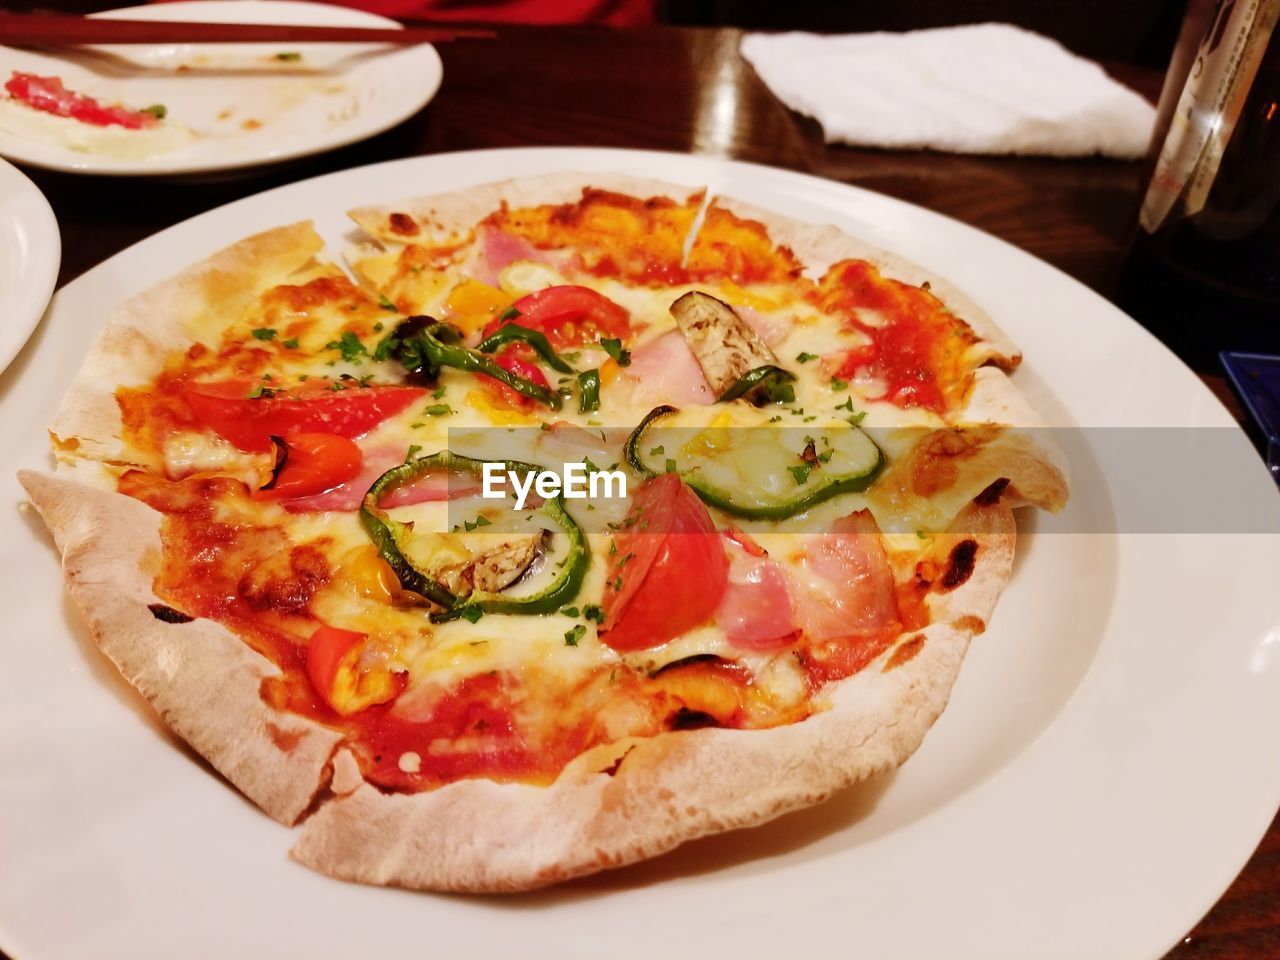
(345, 683)
(511, 360)
(313, 463)
(49, 95)
(669, 570)
(570, 315)
(249, 422)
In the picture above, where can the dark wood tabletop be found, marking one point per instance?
(654, 88)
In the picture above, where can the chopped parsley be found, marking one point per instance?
(259, 392)
(838, 384)
(157, 110)
(571, 637)
(480, 521)
(349, 346)
(658, 451)
(858, 417)
(569, 611)
(289, 56)
(614, 348)
(800, 473)
(385, 304)
(263, 333)
(805, 357)
(290, 344)
(438, 410)
(847, 405)
(593, 612)
(671, 465)
(437, 393)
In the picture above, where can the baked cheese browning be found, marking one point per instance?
(918, 348)
(740, 250)
(609, 234)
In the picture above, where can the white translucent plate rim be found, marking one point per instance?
(31, 248)
(1110, 835)
(295, 12)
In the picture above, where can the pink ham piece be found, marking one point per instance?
(665, 371)
(347, 496)
(856, 595)
(755, 613)
(499, 249)
(772, 330)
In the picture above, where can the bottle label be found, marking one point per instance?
(1212, 98)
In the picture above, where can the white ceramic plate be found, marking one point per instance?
(1105, 767)
(30, 252)
(243, 104)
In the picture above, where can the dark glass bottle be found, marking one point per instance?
(1204, 271)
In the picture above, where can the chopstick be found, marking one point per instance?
(47, 29)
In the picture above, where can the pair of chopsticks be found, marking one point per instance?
(54, 30)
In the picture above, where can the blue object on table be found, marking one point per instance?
(1256, 377)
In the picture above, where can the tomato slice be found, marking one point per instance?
(49, 95)
(313, 463)
(239, 411)
(345, 683)
(511, 359)
(570, 315)
(669, 570)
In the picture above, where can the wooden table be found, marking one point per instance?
(689, 91)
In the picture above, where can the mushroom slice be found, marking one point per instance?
(725, 346)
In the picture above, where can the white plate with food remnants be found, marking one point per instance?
(191, 108)
(1104, 767)
(30, 252)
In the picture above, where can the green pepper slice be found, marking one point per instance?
(387, 534)
(589, 391)
(765, 384)
(813, 479)
(514, 333)
(424, 345)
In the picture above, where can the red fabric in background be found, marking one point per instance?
(615, 13)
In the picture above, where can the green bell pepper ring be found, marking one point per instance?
(387, 533)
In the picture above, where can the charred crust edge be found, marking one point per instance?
(166, 614)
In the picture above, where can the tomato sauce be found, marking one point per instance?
(628, 238)
(917, 345)
(741, 250)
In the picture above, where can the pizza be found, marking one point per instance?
(340, 525)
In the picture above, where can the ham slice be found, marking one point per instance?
(499, 249)
(665, 371)
(755, 613)
(772, 330)
(850, 590)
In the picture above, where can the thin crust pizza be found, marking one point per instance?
(324, 519)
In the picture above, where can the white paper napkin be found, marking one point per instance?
(984, 88)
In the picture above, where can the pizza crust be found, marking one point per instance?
(483, 836)
(450, 217)
(145, 331)
(199, 677)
